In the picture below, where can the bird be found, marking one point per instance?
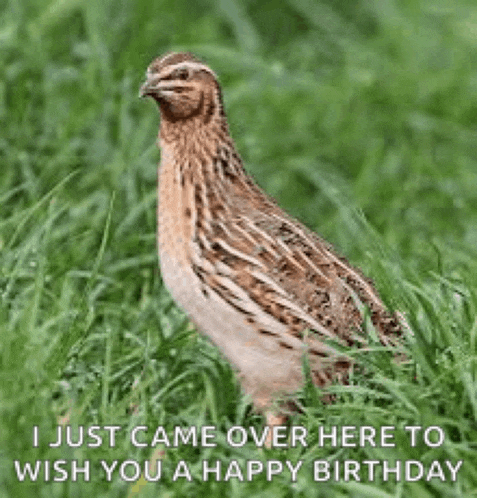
(264, 288)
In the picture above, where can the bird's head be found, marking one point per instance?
(183, 87)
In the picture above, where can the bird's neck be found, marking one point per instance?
(203, 148)
(201, 177)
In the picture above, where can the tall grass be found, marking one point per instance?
(358, 117)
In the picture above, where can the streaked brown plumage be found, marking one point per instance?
(250, 277)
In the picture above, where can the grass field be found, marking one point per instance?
(360, 118)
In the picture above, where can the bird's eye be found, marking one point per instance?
(182, 74)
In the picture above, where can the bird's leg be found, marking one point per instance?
(273, 420)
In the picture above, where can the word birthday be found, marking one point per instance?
(96, 436)
(407, 470)
(248, 470)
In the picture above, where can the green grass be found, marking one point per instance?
(358, 117)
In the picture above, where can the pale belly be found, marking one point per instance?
(260, 360)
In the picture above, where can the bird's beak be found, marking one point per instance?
(157, 89)
(148, 88)
(154, 87)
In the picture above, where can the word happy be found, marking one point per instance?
(216, 470)
(239, 470)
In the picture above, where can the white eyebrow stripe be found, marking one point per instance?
(194, 66)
